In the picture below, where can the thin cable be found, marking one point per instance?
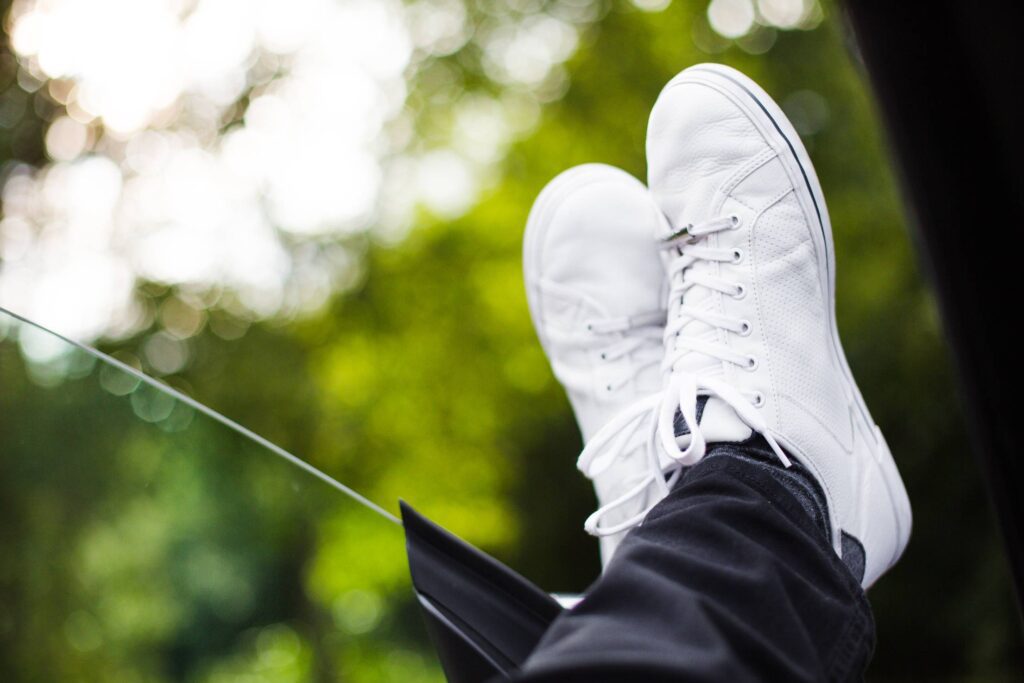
(210, 412)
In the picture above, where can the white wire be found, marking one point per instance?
(210, 412)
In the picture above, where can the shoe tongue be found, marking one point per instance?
(718, 422)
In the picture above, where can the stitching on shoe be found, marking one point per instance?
(776, 396)
(747, 169)
(759, 305)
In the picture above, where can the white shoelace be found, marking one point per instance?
(612, 441)
(682, 387)
(640, 335)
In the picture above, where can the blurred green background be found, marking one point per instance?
(140, 542)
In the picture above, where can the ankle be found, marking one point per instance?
(800, 484)
(796, 480)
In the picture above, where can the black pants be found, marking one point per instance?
(730, 578)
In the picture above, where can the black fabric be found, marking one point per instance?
(482, 617)
(795, 478)
(729, 579)
(679, 422)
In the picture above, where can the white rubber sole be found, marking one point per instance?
(775, 127)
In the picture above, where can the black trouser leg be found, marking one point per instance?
(730, 578)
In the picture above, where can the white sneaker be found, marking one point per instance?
(751, 321)
(596, 289)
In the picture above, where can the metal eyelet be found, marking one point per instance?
(751, 364)
(745, 329)
(740, 292)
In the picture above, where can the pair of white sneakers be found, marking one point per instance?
(707, 299)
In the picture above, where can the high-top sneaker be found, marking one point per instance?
(751, 338)
(595, 286)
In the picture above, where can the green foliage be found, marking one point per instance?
(187, 555)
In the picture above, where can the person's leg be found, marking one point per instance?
(730, 578)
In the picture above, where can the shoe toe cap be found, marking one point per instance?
(599, 245)
(697, 139)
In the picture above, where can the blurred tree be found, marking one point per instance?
(425, 381)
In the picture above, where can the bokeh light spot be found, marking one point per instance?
(731, 18)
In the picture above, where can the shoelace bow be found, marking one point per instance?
(682, 388)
